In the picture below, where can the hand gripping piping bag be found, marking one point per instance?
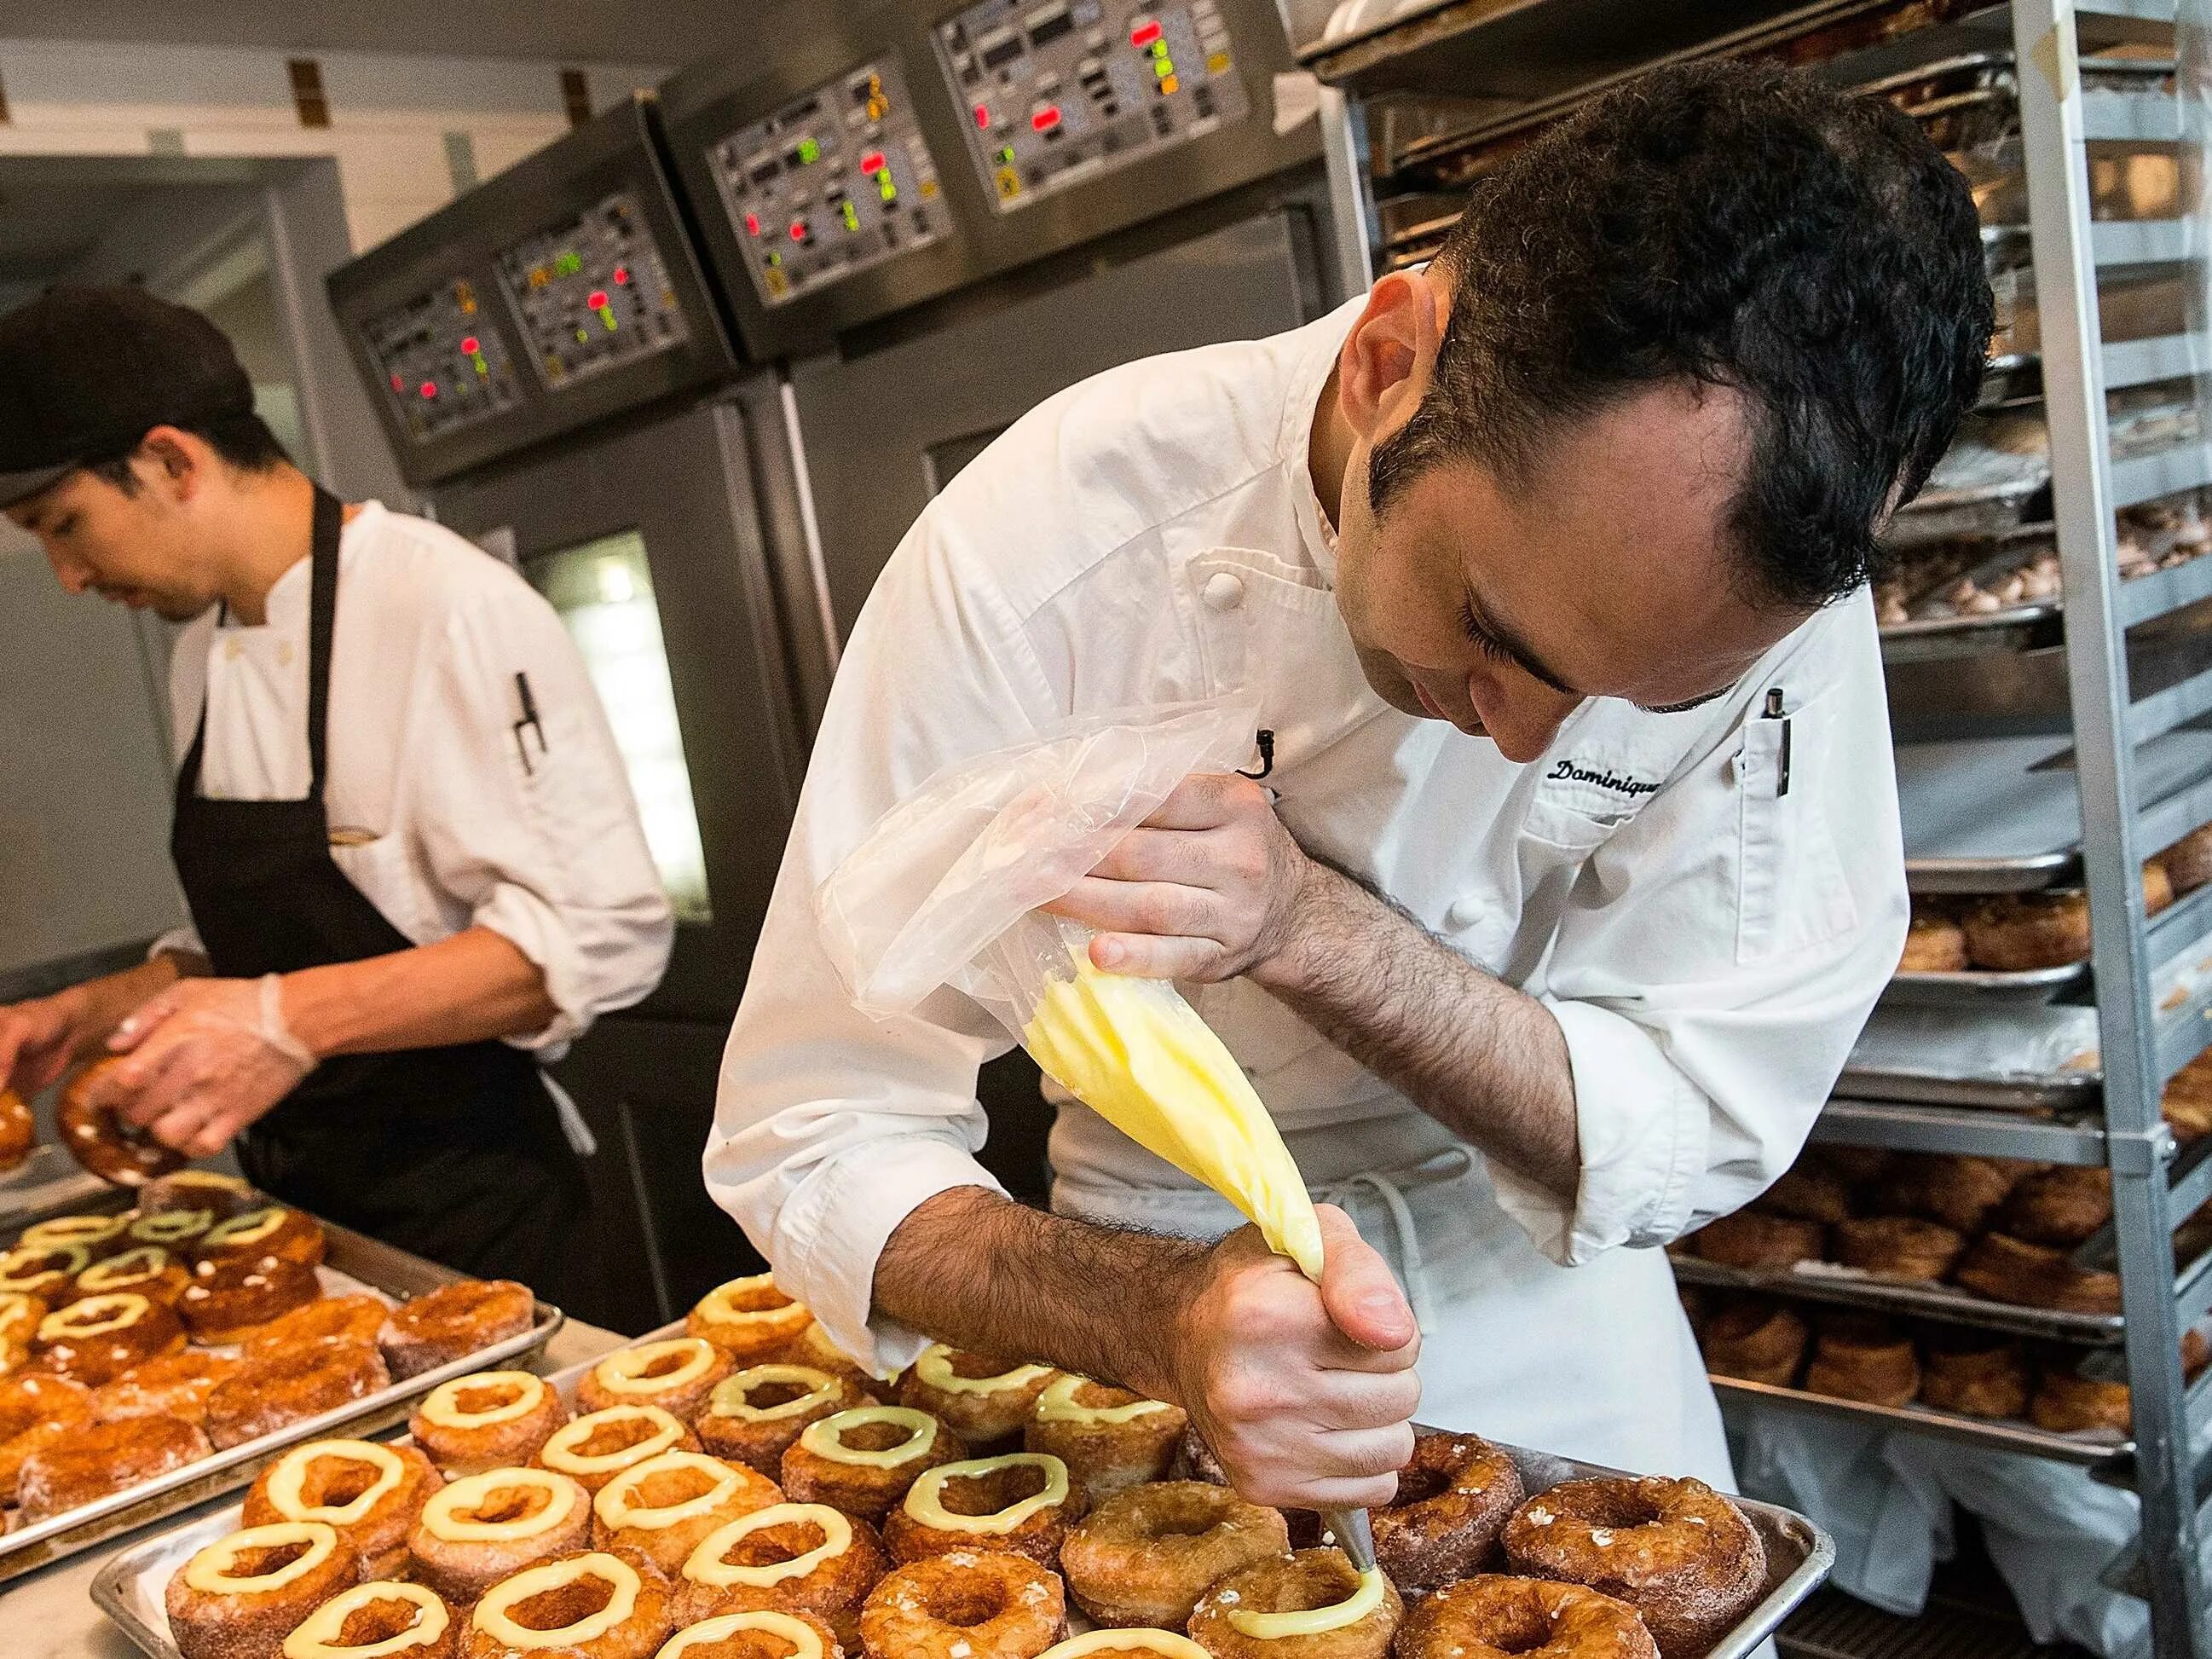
(944, 890)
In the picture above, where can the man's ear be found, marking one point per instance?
(178, 461)
(1390, 357)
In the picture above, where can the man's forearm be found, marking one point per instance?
(1485, 1060)
(980, 1271)
(474, 986)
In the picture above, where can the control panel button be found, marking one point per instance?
(444, 366)
(593, 292)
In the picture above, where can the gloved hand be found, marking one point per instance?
(204, 1058)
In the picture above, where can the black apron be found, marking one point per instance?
(454, 1153)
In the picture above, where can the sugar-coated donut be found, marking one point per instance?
(1811, 1190)
(229, 1301)
(1133, 1642)
(2063, 1206)
(1864, 1357)
(35, 1406)
(239, 1597)
(1452, 1502)
(1146, 1553)
(1676, 1551)
(982, 1400)
(175, 1385)
(1961, 1192)
(970, 1604)
(220, 1196)
(147, 1269)
(2067, 1402)
(590, 1604)
(760, 1634)
(1934, 943)
(369, 1493)
(119, 1153)
(279, 1390)
(88, 1460)
(1021, 1503)
(95, 1339)
(2036, 1276)
(474, 1532)
(49, 1273)
(1976, 1373)
(593, 1449)
(20, 1315)
(1754, 1338)
(1109, 1437)
(274, 1229)
(749, 1319)
(1311, 1605)
(1768, 1244)
(1491, 1615)
(98, 1235)
(863, 1461)
(676, 1374)
(453, 1322)
(1897, 1246)
(383, 1619)
(19, 1131)
(486, 1420)
(330, 1318)
(754, 1415)
(660, 1508)
(800, 1557)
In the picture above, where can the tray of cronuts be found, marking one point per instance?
(153, 1356)
(734, 1487)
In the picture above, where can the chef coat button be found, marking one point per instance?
(1223, 591)
(230, 650)
(1463, 913)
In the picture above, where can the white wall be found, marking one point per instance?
(396, 121)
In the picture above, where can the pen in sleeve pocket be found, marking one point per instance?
(528, 722)
(1773, 712)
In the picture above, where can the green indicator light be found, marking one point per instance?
(890, 190)
(1162, 68)
(1159, 48)
(568, 265)
(607, 316)
(481, 368)
(1007, 155)
(775, 259)
(582, 338)
(850, 215)
(809, 151)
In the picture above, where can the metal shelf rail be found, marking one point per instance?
(1512, 62)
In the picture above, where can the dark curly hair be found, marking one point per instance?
(1745, 227)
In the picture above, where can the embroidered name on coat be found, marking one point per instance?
(1567, 771)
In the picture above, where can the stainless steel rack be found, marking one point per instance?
(1442, 87)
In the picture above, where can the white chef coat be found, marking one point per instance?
(433, 814)
(1708, 943)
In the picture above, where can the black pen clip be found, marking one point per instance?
(1773, 712)
(1265, 740)
(528, 722)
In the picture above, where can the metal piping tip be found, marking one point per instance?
(1353, 1536)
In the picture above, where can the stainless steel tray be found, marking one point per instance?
(2087, 1450)
(2026, 873)
(1977, 986)
(129, 1588)
(2056, 1091)
(368, 1263)
(1826, 1282)
(48, 1183)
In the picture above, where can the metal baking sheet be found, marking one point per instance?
(2056, 1092)
(351, 1256)
(48, 1183)
(2087, 1450)
(2031, 872)
(1977, 987)
(1826, 1282)
(131, 1589)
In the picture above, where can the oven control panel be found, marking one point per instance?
(834, 182)
(1058, 91)
(592, 292)
(443, 366)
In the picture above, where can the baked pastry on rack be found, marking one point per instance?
(1897, 1246)
(1259, 1612)
(1756, 1339)
(2063, 1206)
(1961, 1192)
(1143, 1556)
(1934, 943)
(1973, 1372)
(2188, 862)
(1860, 1357)
(1769, 1243)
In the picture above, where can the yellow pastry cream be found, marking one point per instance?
(1135, 1052)
(1314, 1621)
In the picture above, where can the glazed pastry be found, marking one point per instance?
(176, 1385)
(1021, 1503)
(754, 1414)
(220, 1196)
(1756, 1339)
(482, 1528)
(608, 1609)
(117, 1152)
(2020, 932)
(1308, 1606)
(2036, 1276)
(95, 1339)
(1934, 943)
(288, 1235)
(19, 1317)
(863, 1461)
(1962, 1193)
(1766, 1243)
(676, 1374)
(453, 1322)
(2062, 1207)
(35, 1407)
(1147, 1554)
(231, 1300)
(1109, 1437)
(279, 1390)
(88, 1461)
(2067, 1403)
(1863, 1358)
(97, 1235)
(489, 1421)
(175, 1230)
(332, 1318)
(1452, 1502)
(968, 1603)
(749, 1319)
(984, 1400)
(19, 1131)
(1812, 1190)
(1493, 1615)
(1974, 1373)
(147, 1269)
(760, 1635)
(593, 1449)
(798, 1558)
(1897, 1246)
(50, 1275)
(1676, 1551)
(370, 1494)
(662, 1508)
(381, 1620)
(241, 1596)
(815, 1349)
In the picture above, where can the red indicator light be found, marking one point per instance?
(982, 115)
(752, 224)
(1145, 33)
(398, 384)
(798, 230)
(471, 345)
(429, 388)
(872, 162)
(597, 301)
(1046, 118)
(622, 276)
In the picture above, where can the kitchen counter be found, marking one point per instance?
(50, 1614)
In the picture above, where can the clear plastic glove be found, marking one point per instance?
(202, 1060)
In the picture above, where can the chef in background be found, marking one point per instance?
(409, 848)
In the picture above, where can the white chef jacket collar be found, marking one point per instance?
(1316, 348)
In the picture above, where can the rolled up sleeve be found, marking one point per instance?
(1718, 959)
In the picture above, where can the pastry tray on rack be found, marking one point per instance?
(352, 1263)
(2089, 1449)
(1825, 1281)
(1975, 987)
(129, 1589)
(48, 1183)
